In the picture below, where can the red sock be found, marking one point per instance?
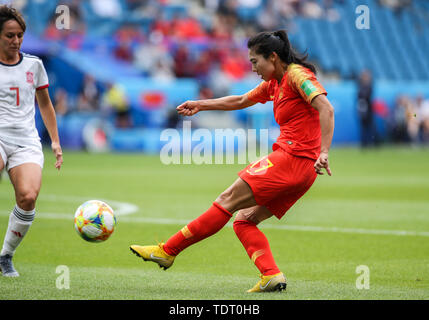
(257, 246)
(204, 226)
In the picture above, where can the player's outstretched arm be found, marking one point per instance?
(49, 119)
(326, 116)
(228, 103)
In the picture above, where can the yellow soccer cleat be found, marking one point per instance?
(155, 254)
(275, 282)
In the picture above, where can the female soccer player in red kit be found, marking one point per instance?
(273, 184)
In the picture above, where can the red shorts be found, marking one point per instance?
(279, 180)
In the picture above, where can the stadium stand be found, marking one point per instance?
(168, 50)
(392, 48)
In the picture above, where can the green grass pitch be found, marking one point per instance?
(373, 211)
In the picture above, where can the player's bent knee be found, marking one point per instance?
(225, 198)
(236, 197)
(27, 200)
(241, 217)
(255, 214)
(229, 199)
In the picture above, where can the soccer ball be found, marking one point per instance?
(94, 221)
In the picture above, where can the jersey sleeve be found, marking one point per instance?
(261, 93)
(305, 83)
(42, 81)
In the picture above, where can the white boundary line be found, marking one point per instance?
(123, 209)
(120, 208)
(167, 221)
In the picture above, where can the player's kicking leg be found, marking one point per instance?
(236, 197)
(207, 224)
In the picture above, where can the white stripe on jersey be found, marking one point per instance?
(18, 84)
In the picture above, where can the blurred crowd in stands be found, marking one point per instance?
(409, 120)
(162, 51)
(108, 99)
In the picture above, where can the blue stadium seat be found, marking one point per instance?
(388, 48)
(39, 13)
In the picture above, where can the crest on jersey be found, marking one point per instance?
(281, 93)
(30, 77)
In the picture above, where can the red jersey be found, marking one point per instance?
(299, 122)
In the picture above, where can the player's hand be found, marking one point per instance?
(56, 148)
(188, 108)
(322, 162)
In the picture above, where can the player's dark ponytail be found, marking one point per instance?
(265, 43)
